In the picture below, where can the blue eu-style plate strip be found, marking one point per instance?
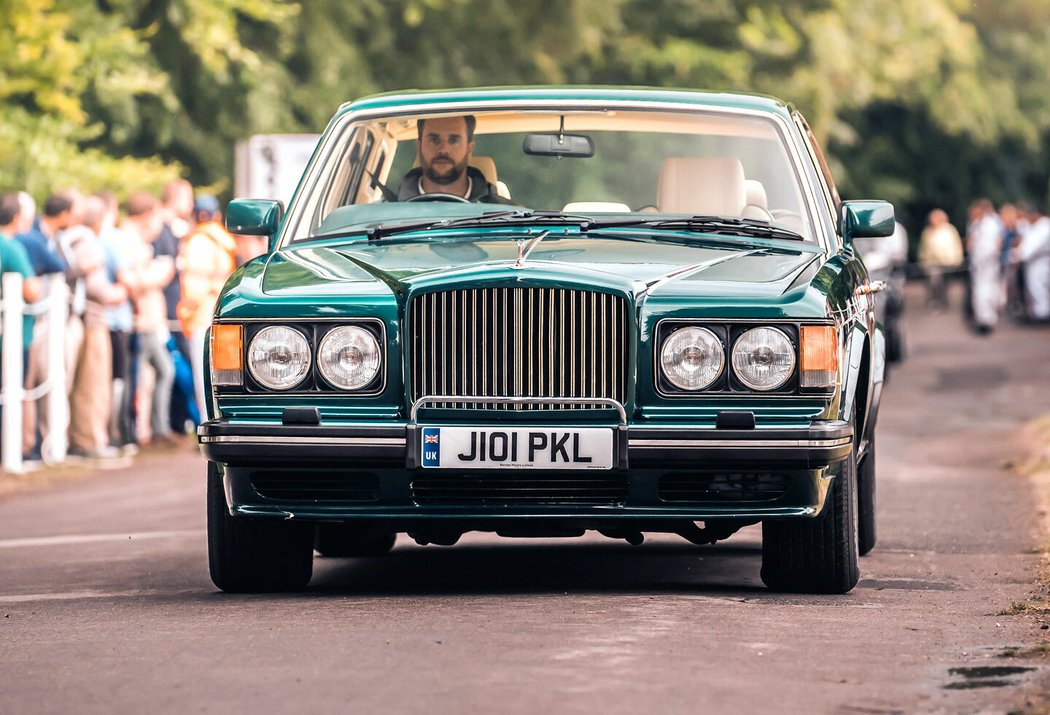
(431, 447)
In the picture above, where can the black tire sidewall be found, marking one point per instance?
(254, 555)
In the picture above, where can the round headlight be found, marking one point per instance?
(692, 358)
(279, 357)
(349, 357)
(763, 358)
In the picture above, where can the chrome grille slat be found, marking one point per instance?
(485, 360)
(598, 365)
(454, 353)
(573, 315)
(473, 346)
(519, 342)
(444, 345)
(506, 340)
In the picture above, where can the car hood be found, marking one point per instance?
(635, 264)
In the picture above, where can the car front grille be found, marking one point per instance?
(514, 490)
(519, 342)
(712, 487)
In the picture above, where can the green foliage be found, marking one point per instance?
(58, 55)
(922, 103)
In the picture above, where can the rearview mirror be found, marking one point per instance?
(558, 144)
(865, 219)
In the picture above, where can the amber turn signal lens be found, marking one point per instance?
(227, 351)
(820, 355)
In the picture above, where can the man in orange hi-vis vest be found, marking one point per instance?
(206, 258)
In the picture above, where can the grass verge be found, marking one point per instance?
(1036, 468)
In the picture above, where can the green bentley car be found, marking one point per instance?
(542, 311)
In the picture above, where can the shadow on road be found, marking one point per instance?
(545, 568)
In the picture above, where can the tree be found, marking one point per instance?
(55, 53)
(168, 86)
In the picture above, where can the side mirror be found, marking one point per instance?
(255, 217)
(865, 219)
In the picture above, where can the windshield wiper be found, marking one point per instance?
(524, 216)
(508, 217)
(708, 224)
(725, 226)
(382, 230)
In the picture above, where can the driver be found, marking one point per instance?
(444, 149)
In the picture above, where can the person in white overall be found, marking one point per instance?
(1034, 254)
(984, 241)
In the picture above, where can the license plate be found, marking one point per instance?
(517, 448)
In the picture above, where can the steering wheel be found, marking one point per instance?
(439, 197)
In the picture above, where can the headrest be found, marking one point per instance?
(756, 193)
(486, 166)
(701, 185)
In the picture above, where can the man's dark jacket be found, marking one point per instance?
(480, 190)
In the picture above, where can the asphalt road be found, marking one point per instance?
(106, 605)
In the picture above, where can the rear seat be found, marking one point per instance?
(702, 186)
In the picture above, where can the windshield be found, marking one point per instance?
(644, 165)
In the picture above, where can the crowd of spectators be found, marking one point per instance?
(1007, 252)
(143, 277)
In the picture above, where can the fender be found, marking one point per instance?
(856, 343)
(878, 377)
(869, 373)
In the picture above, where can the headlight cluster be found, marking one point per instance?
(761, 359)
(282, 357)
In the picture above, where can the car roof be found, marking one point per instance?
(432, 99)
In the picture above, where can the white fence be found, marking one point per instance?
(12, 391)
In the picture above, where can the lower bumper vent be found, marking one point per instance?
(700, 487)
(478, 489)
(318, 487)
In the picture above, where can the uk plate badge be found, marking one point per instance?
(431, 447)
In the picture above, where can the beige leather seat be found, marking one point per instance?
(757, 205)
(596, 207)
(486, 166)
(702, 185)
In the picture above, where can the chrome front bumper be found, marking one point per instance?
(816, 446)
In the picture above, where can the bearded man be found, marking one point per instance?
(444, 150)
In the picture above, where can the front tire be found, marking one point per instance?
(817, 555)
(255, 555)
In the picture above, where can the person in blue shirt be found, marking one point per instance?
(13, 259)
(40, 240)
